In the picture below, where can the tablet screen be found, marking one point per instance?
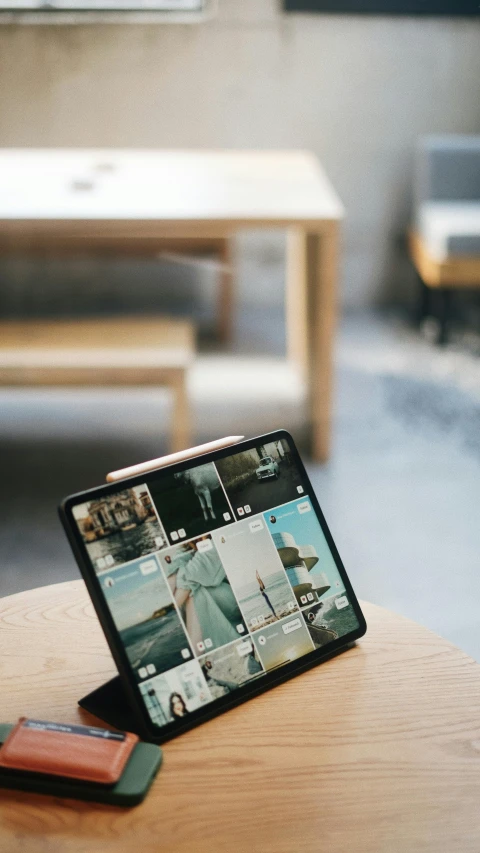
(215, 575)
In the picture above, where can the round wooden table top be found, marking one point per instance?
(375, 750)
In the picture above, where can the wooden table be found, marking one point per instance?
(374, 751)
(82, 200)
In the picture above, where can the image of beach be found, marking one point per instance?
(304, 551)
(283, 642)
(144, 613)
(226, 669)
(255, 573)
(333, 618)
(176, 693)
(120, 527)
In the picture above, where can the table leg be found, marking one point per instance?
(296, 300)
(321, 262)
(181, 424)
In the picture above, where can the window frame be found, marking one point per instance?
(49, 14)
(439, 8)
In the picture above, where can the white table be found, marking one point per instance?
(139, 201)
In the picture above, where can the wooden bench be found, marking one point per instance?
(123, 351)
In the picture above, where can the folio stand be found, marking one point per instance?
(110, 702)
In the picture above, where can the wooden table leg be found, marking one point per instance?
(320, 261)
(296, 300)
(181, 423)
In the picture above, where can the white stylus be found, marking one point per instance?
(162, 461)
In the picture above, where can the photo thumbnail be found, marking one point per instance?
(191, 503)
(142, 607)
(230, 667)
(330, 619)
(119, 527)
(203, 593)
(175, 694)
(255, 573)
(304, 552)
(283, 642)
(260, 478)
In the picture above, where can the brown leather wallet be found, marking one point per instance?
(62, 749)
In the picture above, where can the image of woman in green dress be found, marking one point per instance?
(203, 593)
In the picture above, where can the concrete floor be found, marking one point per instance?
(401, 493)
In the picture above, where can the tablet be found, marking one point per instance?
(213, 580)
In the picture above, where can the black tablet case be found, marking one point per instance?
(110, 703)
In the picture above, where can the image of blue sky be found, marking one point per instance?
(306, 530)
(135, 596)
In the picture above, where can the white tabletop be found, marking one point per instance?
(117, 184)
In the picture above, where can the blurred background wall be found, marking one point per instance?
(358, 91)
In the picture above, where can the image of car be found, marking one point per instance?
(267, 469)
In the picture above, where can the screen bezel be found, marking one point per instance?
(148, 729)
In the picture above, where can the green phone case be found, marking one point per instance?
(132, 787)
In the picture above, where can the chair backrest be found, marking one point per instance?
(447, 169)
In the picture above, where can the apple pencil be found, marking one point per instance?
(162, 461)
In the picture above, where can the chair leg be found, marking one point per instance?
(226, 291)
(444, 314)
(424, 301)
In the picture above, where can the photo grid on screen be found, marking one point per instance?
(215, 576)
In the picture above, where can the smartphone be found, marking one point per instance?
(213, 579)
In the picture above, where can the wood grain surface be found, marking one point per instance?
(374, 751)
(95, 343)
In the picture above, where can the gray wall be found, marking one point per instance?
(356, 90)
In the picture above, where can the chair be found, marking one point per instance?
(444, 241)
